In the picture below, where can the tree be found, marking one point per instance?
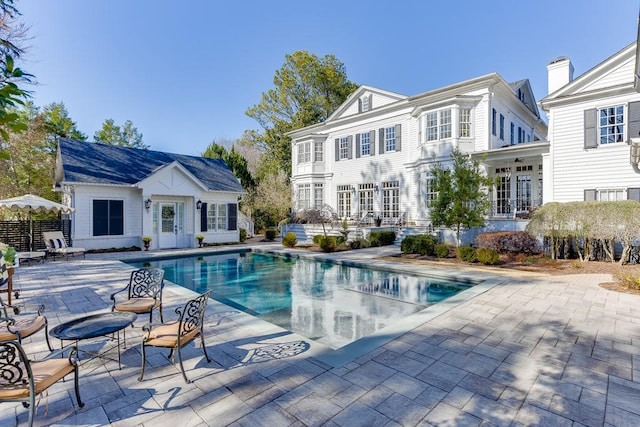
(59, 124)
(461, 200)
(234, 160)
(127, 136)
(307, 90)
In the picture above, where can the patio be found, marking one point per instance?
(521, 351)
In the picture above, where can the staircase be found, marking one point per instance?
(413, 230)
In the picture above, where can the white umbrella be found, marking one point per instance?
(30, 203)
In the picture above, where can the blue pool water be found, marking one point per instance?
(329, 303)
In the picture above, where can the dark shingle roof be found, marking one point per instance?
(95, 163)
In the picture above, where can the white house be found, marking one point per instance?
(592, 120)
(121, 194)
(373, 156)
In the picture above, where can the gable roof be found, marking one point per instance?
(82, 162)
(386, 96)
(527, 95)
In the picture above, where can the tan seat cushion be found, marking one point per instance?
(167, 336)
(45, 374)
(138, 305)
(26, 327)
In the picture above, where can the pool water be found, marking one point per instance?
(328, 303)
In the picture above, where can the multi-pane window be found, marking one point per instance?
(108, 217)
(611, 125)
(432, 126)
(494, 119)
(513, 133)
(503, 191)
(391, 199)
(445, 124)
(344, 201)
(430, 194)
(304, 196)
(343, 146)
(611, 195)
(216, 216)
(501, 127)
(365, 103)
(318, 154)
(465, 123)
(365, 144)
(523, 192)
(365, 198)
(318, 195)
(304, 152)
(390, 139)
(438, 125)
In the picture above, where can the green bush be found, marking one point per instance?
(487, 256)
(270, 234)
(9, 255)
(328, 243)
(340, 240)
(442, 250)
(360, 243)
(423, 244)
(243, 234)
(467, 253)
(290, 240)
(317, 238)
(382, 238)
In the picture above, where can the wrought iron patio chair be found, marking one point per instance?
(176, 335)
(144, 293)
(21, 379)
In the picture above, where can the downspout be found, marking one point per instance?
(634, 154)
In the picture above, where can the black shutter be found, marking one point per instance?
(372, 142)
(232, 213)
(633, 194)
(398, 137)
(357, 145)
(634, 120)
(381, 141)
(337, 149)
(589, 195)
(203, 217)
(590, 137)
(349, 147)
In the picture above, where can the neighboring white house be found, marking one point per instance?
(121, 194)
(373, 156)
(591, 122)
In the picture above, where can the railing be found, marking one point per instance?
(246, 223)
(513, 209)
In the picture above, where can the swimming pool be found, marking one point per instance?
(325, 302)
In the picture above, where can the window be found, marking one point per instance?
(221, 220)
(318, 195)
(513, 131)
(365, 144)
(344, 148)
(494, 118)
(216, 216)
(501, 127)
(390, 139)
(318, 154)
(503, 191)
(344, 201)
(605, 195)
(465, 123)
(304, 152)
(429, 194)
(520, 135)
(304, 196)
(391, 199)
(432, 126)
(108, 218)
(365, 103)
(611, 125)
(438, 125)
(366, 198)
(523, 192)
(445, 124)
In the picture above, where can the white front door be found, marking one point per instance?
(168, 219)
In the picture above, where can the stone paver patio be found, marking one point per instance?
(515, 351)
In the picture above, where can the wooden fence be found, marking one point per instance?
(16, 233)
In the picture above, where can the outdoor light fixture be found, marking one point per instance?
(198, 204)
(147, 204)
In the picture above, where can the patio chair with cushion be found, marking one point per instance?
(56, 244)
(21, 380)
(177, 334)
(144, 293)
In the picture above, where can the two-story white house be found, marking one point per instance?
(592, 120)
(374, 155)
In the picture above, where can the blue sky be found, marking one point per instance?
(185, 72)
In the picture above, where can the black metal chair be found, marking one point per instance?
(21, 379)
(176, 335)
(144, 293)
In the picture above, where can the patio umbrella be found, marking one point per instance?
(30, 203)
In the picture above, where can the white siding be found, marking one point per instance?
(618, 76)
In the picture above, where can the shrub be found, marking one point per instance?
(423, 244)
(243, 234)
(382, 238)
(340, 240)
(270, 234)
(487, 256)
(467, 253)
(442, 250)
(360, 243)
(627, 279)
(290, 240)
(317, 238)
(508, 242)
(328, 243)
